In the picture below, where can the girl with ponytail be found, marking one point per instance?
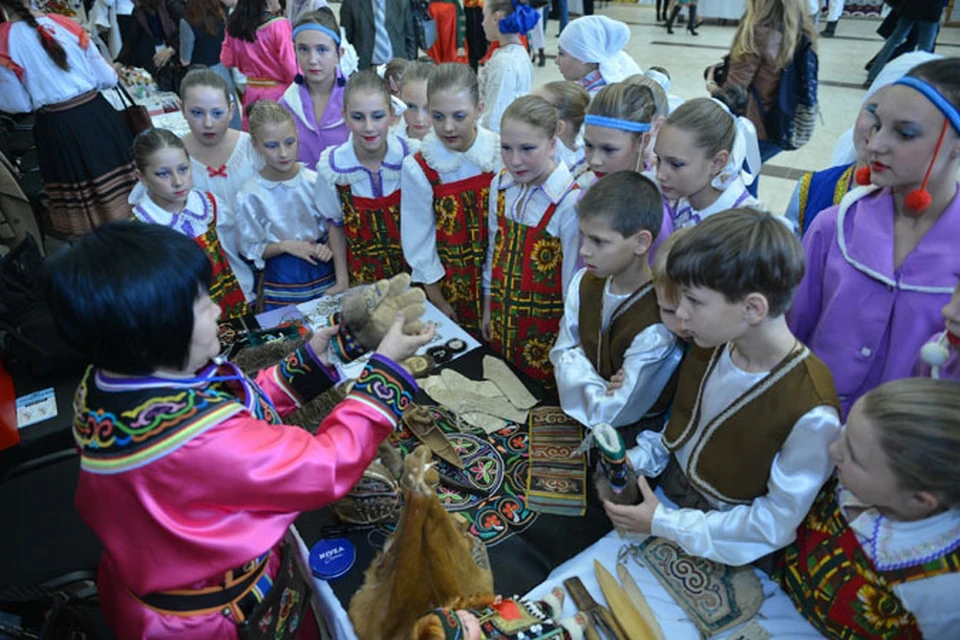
(48, 66)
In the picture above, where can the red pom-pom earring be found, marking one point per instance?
(862, 176)
(919, 199)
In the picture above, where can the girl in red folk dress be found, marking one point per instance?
(163, 168)
(359, 184)
(445, 190)
(534, 236)
(878, 556)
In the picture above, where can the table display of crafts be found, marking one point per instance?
(449, 343)
(163, 106)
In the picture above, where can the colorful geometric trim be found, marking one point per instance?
(381, 386)
(117, 442)
(302, 376)
(804, 198)
(556, 481)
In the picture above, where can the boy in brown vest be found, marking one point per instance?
(745, 450)
(614, 357)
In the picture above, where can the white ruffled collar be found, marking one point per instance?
(483, 153)
(193, 220)
(895, 544)
(340, 165)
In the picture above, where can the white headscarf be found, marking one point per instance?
(744, 161)
(598, 39)
(844, 152)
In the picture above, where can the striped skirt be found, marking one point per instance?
(84, 151)
(288, 280)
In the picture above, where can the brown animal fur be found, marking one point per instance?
(426, 562)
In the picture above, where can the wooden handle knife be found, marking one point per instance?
(601, 621)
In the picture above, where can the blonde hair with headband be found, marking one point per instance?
(624, 106)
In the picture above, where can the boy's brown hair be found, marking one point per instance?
(630, 202)
(738, 252)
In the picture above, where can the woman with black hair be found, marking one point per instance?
(187, 475)
(49, 67)
(259, 42)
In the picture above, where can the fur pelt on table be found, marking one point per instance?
(425, 563)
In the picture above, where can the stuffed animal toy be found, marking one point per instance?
(367, 313)
(483, 617)
(428, 561)
(615, 479)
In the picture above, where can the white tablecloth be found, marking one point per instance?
(777, 614)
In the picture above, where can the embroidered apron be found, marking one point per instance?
(372, 227)
(526, 293)
(224, 288)
(461, 217)
(837, 587)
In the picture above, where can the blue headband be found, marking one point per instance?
(930, 93)
(617, 123)
(313, 26)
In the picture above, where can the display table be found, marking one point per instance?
(523, 547)
(163, 107)
(777, 614)
(558, 543)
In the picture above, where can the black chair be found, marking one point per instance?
(48, 555)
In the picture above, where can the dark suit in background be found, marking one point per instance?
(356, 18)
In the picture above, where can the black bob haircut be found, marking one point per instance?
(123, 295)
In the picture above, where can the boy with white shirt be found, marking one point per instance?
(745, 450)
(614, 358)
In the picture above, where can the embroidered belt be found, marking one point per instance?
(76, 101)
(240, 592)
(261, 82)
